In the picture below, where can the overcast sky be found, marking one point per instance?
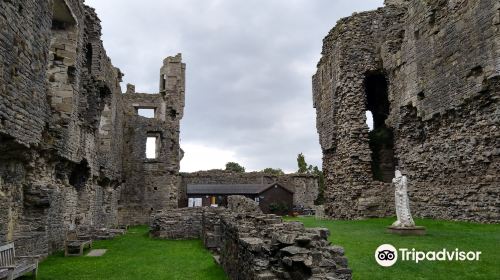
(248, 76)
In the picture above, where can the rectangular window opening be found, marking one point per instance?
(146, 112)
(151, 147)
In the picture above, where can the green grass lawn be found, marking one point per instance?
(136, 256)
(361, 238)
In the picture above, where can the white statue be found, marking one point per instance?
(402, 203)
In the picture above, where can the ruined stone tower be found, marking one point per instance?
(428, 72)
(71, 144)
(151, 183)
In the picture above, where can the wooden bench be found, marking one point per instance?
(125, 227)
(117, 231)
(13, 267)
(108, 233)
(73, 245)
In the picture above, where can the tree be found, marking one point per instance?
(303, 167)
(302, 164)
(273, 171)
(314, 170)
(235, 167)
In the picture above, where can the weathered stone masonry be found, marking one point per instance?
(51, 171)
(252, 246)
(429, 73)
(62, 124)
(152, 184)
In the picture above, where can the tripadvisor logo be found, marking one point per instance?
(387, 255)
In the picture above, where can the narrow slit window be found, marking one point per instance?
(163, 82)
(88, 57)
(151, 147)
(146, 112)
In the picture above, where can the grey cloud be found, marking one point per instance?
(249, 67)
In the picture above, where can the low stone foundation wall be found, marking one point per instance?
(265, 247)
(256, 246)
(211, 233)
(182, 223)
(319, 212)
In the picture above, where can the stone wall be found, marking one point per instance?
(251, 246)
(304, 186)
(428, 72)
(182, 223)
(241, 204)
(53, 172)
(196, 222)
(265, 247)
(64, 124)
(152, 184)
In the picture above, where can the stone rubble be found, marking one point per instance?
(253, 246)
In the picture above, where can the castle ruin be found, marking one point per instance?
(72, 146)
(429, 73)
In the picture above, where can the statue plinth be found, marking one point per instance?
(415, 230)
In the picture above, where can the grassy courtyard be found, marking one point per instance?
(361, 238)
(136, 256)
